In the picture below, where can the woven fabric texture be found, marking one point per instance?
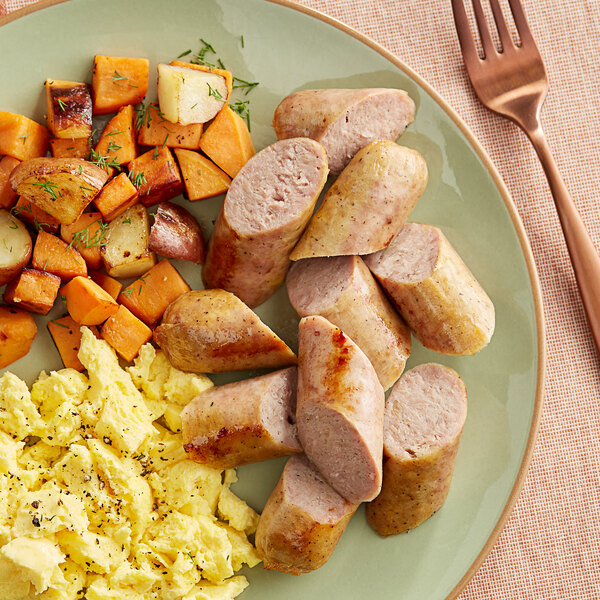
(550, 547)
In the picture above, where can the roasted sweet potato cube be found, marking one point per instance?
(21, 137)
(17, 331)
(87, 302)
(125, 333)
(34, 216)
(155, 130)
(71, 148)
(156, 176)
(116, 197)
(86, 235)
(202, 178)
(117, 82)
(148, 297)
(33, 290)
(107, 283)
(8, 196)
(66, 334)
(117, 142)
(52, 255)
(227, 142)
(68, 109)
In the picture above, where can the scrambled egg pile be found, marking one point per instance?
(97, 498)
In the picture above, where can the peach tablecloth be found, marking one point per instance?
(550, 548)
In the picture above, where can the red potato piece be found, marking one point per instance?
(339, 410)
(176, 234)
(342, 290)
(368, 204)
(424, 418)
(265, 211)
(437, 295)
(243, 422)
(209, 331)
(15, 246)
(344, 121)
(303, 520)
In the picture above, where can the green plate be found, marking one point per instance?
(287, 48)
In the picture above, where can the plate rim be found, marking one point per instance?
(514, 216)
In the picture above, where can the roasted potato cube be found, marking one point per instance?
(155, 130)
(53, 255)
(126, 333)
(35, 217)
(202, 178)
(68, 109)
(117, 82)
(86, 235)
(8, 196)
(156, 176)
(72, 148)
(17, 330)
(62, 187)
(87, 302)
(116, 197)
(66, 334)
(33, 290)
(116, 146)
(21, 137)
(15, 247)
(107, 283)
(126, 252)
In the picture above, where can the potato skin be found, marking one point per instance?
(15, 248)
(176, 234)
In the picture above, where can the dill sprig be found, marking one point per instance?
(104, 162)
(239, 83)
(142, 116)
(48, 186)
(138, 179)
(83, 238)
(62, 105)
(214, 93)
(242, 108)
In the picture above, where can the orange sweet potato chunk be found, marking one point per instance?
(67, 337)
(21, 137)
(126, 333)
(63, 148)
(202, 178)
(118, 81)
(8, 197)
(33, 290)
(157, 131)
(227, 142)
(117, 142)
(148, 297)
(116, 197)
(87, 302)
(17, 330)
(34, 216)
(53, 255)
(68, 109)
(86, 235)
(107, 283)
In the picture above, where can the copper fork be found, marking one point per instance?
(512, 82)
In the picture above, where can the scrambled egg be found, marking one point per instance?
(97, 497)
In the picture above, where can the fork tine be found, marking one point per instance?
(520, 21)
(484, 31)
(467, 44)
(503, 32)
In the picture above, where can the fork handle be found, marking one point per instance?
(584, 256)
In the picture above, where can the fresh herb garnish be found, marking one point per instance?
(184, 53)
(242, 39)
(241, 108)
(214, 93)
(66, 327)
(142, 116)
(104, 162)
(115, 132)
(63, 105)
(49, 187)
(112, 147)
(83, 238)
(138, 179)
(118, 77)
(239, 83)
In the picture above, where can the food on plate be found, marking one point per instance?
(62, 187)
(66, 334)
(125, 333)
(68, 109)
(343, 291)
(368, 204)
(344, 121)
(176, 234)
(156, 176)
(443, 304)
(87, 302)
(155, 130)
(17, 330)
(209, 331)
(70, 148)
(339, 410)
(8, 196)
(101, 501)
(148, 297)
(265, 211)
(202, 178)
(243, 422)
(40, 220)
(424, 417)
(53, 255)
(22, 138)
(303, 520)
(118, 81)
(15, 248)
(125, 249)
(33, 290)
(116, 145)
(189, 93)
(107, 283)
(116, 197)
(227, 142)
(86, 235)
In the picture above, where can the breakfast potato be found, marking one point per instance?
(117, 142)
(107, 283)
(53, 255)
(125, 333)
(17, 330)
(87, 302)
(66, 334)
(155, 130)
(126, 252)
(201, 177)
(86, 236)
(21, 137)
(70, 148)
(116, 197)
(68, 109)
(15, 248)
(33, 290)
(62, 187)
(8, 196)
(176, 234)
(37, 218)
